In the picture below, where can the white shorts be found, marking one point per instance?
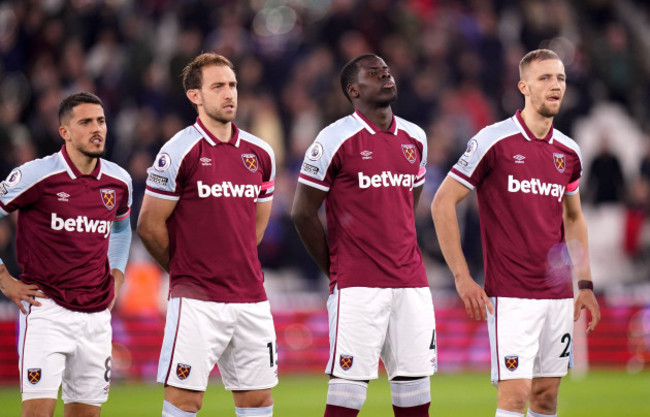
(238, 337)
(59, 346)
(530, 338)
(395, 324)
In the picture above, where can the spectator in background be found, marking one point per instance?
(605, 177)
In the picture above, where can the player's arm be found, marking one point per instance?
(18, 291)
(118, 253)
(304, 215)
(417, 192)
(152, 227)
(262, 215)
(443, 211)
(575, 232)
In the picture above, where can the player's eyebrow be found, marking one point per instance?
(88, 119)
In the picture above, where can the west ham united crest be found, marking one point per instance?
(560, 161)
(512, 362)
(409, 152)
(108, 197)
(34, 375)
(250, 161)
(183, 370)
(346, 361)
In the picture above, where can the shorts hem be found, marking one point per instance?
(255, 388)
(40, 395)
(551, 375)
(183, 386)
(411, 375)
(352, 378)
(96, 403)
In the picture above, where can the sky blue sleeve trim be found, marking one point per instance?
(119, 244)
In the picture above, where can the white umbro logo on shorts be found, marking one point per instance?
(366, 155)
(519, 159)
(206, 162)
(63, 196)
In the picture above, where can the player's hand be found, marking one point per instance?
(17, 292)
(587, 299)
(474, 298)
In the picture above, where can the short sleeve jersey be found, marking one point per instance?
(369, 176)
(521, 182)
(217, 186)
(64, 224)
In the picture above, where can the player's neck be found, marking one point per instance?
(84, 163)
(539, 125)
(382, 117)
(220, 130)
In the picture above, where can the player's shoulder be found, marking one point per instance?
(114, 170)
(38, 169)
(182, 142)
(566, 141)
(411, 129)
(497, 131)
(256, 142)
(339, 131)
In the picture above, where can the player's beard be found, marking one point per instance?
(547, 112)
(95, 154)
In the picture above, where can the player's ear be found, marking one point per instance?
(353, 91)
(63, 131)
(194, 96)
(523, 88)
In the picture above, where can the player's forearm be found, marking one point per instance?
(576, 237)
(443, 212)
(156, 240)
(312, 233)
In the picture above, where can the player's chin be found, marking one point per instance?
(97, 153)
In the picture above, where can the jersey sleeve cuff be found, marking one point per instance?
(313, 184)
(158, 194)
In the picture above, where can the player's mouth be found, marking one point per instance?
(96, 140)
(553, 98)
(388, 84)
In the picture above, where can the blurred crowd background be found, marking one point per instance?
(456, 67)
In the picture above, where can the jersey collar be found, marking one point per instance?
(213, 140)
(527, 133)
(72, 170)
(371, 127)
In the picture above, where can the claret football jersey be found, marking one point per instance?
(217, 186)
(64, 224)
(521, 182)
(369, 176)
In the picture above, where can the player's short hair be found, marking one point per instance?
(350, 73)
(73, 100)
(193, 74)
(536, 55)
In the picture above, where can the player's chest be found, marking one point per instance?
(535, 162)
(225, 172)
(83, 197)
(380, 154)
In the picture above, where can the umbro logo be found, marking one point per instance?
(366, 155)
(519, 159)
(63, 196)
(206, 162)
